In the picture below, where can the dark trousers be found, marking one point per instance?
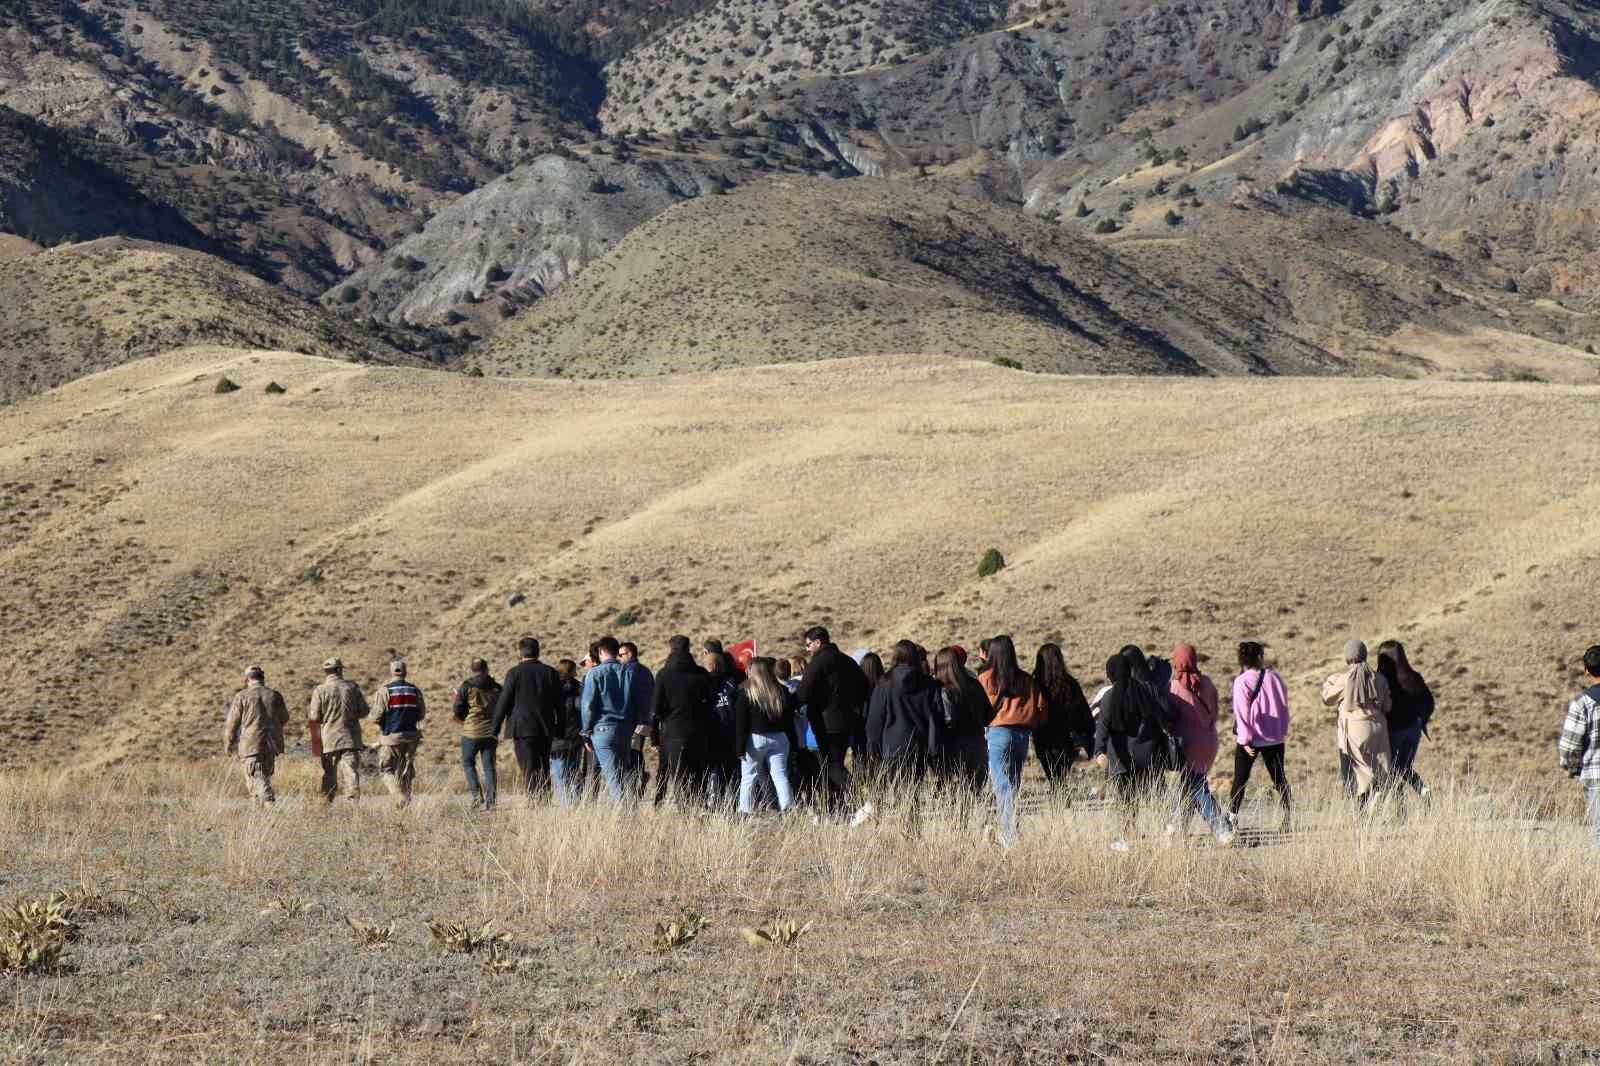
(682, 770)
(805, 772)
(1056, 762)
(831, 750)
(533, 758)
(722, 776)
(1403, 744)
(1244, 762)
(474, 751)
(1133, 788)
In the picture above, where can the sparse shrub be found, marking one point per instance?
(34, 935)
(289, 905)
(991, 563)
(626, 618)
(1006, 362)
(224, 386)
(459, 938)
(678, 932)
(274, 389)
(1082, 210)
(778, 933)
(371, 936)
(1106, 225)
(1172, 217)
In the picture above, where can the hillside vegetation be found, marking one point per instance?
(180, 534)
(78, 309)
(828, 269)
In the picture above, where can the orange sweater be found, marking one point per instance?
(1027, 711)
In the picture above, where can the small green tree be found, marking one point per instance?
(991, 563)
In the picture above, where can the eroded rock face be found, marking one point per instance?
(520, 237)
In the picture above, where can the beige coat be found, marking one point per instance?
(255, 721)
(1363, 731)
(339, 705)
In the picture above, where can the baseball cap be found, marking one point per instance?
(334, 663)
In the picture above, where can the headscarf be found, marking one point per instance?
(1360, 681)
(1132, 700)
(1186, 670)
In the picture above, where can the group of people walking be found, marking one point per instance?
(842, 732)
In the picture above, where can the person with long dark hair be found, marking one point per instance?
(1067, 716)
(1410, 708)
(961, 762)
(901, 726)
(1131, 736)
(1019, 709)
(1260, 725)
(722, 762)
(1193, 699)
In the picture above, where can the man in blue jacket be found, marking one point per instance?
(400, 710)
(608, 715)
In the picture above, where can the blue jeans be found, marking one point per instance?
(767, 753)
(474, 751)
(1194, 796)
(612, 741)
(1008, 751)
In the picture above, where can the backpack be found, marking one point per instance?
(480, 703)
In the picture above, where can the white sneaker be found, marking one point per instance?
(1120, 846)
(864, 815)
(1225, 836)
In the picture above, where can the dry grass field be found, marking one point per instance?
(157, 535)
(1463, 936)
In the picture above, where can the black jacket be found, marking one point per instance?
(747, 720)
(569, 744)
(904, 719)
(1410, 701)
(680, 708)
(963, 711)
(833, 691)
(1069, 718)
(1131, 731)
(531, 699)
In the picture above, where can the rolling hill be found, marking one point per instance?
(158, 531)
(796, 269)
(78, 309)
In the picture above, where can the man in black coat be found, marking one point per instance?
(531, 699)
(680, 711)
(833, 690)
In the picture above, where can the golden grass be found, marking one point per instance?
(1467, 933)
(157, 534)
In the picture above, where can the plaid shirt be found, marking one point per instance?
(1580, 738)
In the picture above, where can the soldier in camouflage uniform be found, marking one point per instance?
(339, 706)
(253, 731)
(400, 709)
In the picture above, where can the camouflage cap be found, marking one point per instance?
(398, 668)
(335, 663)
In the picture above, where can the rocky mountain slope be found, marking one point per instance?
(830, 268)
(521, 236)
(51, 191)
(77, 309)
(445, 166)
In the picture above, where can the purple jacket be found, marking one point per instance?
(1264, 722)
